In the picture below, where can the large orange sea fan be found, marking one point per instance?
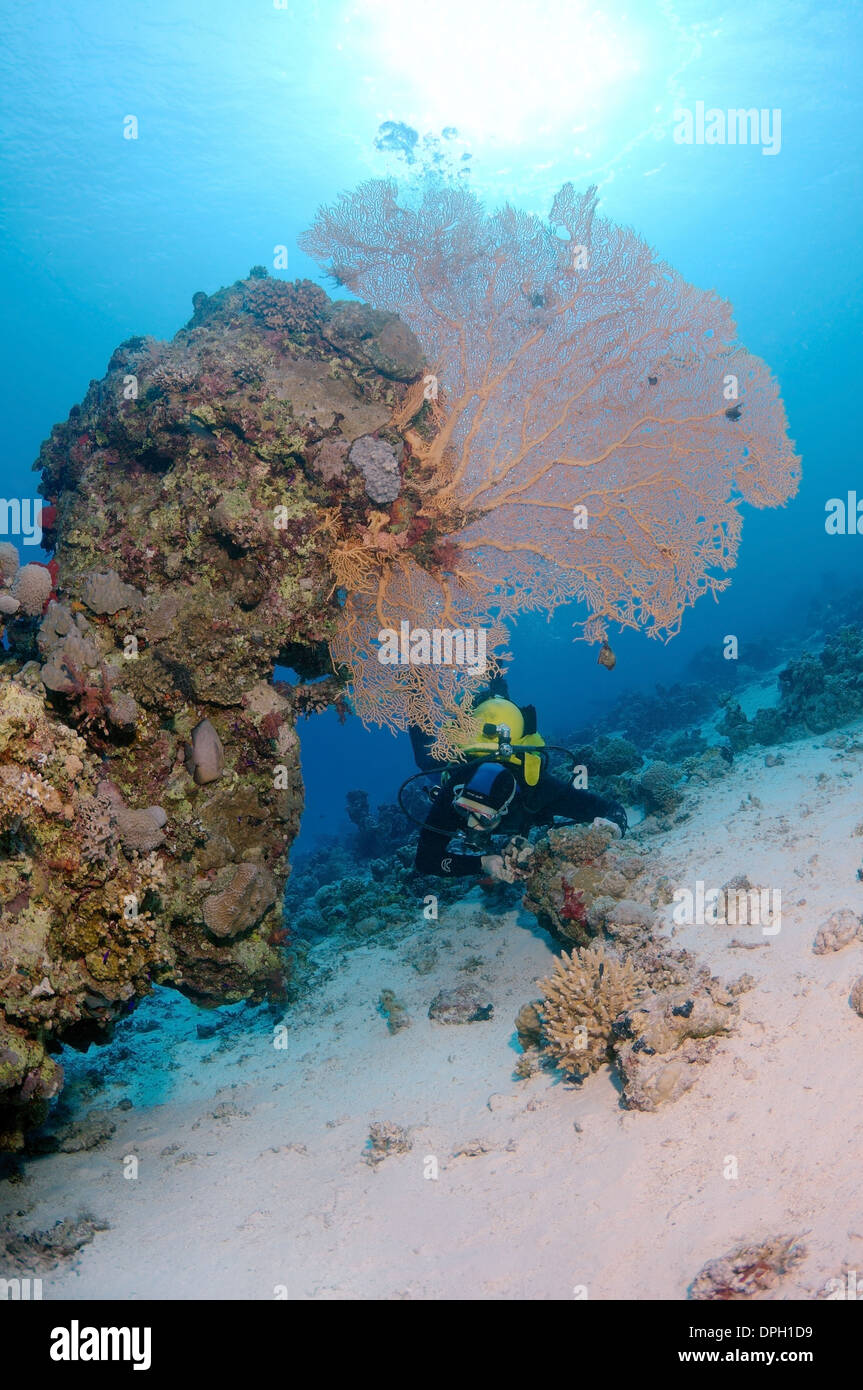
(599, 424)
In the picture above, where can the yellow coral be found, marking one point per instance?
(23, 793)
(587, 991)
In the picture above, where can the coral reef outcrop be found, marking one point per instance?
(81, 932)
(622, 995)
(578, 875)
(193, 530)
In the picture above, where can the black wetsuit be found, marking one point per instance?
(530, 806)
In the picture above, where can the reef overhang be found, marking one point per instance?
(150, 782)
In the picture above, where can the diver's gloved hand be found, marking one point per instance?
(494, 867)
(517, 856)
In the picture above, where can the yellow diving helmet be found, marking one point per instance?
(503, 726)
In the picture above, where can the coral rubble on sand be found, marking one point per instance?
(386, 1138)
(43, 1251)
(748, 1271)
(622, 995)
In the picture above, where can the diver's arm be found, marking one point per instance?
(582, 806)
(433, 856)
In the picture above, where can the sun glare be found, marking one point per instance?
(503, 70)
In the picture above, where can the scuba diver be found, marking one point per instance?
(504, 789)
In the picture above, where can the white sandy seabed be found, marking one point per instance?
(251, 1177)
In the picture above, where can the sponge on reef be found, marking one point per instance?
(32, 589)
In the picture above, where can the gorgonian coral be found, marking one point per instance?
(587, 429)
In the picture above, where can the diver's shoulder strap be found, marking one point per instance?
(421, 743)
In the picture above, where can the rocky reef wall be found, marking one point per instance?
(150, 781)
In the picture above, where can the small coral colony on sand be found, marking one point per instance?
(517, 414)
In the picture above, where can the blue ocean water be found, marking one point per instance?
(248, 116)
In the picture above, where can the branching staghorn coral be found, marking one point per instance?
(588, 427)
(588, 889)
(587, 991)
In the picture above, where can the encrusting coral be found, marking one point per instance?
(106, 593)
(78, 907)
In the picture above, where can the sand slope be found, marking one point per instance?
(561, 1188)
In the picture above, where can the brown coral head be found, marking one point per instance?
(242, 903)
(206, 755)
(141, 830)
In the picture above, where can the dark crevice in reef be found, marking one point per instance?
(310, 663)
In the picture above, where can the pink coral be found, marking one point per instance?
(574, 907)
(597, 425)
